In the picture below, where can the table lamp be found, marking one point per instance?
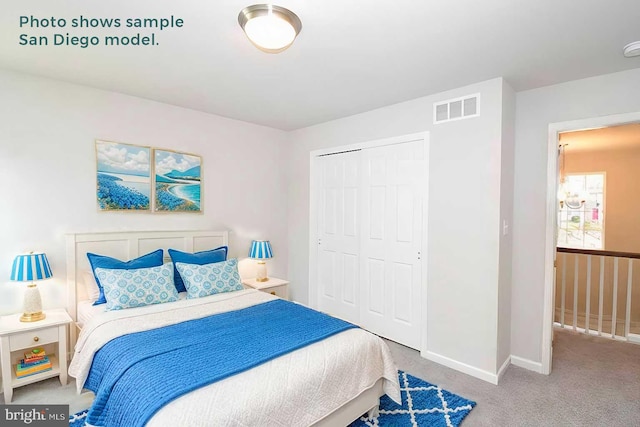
(261, 250)
(29, 268)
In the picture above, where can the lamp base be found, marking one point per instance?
(32, 311)
(261, 272)
(32, 317)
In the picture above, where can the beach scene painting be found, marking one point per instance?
(123, 176)
(177, 181)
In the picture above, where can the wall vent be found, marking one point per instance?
(464, 107)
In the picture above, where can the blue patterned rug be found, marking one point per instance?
(77, 420)
(423, 404)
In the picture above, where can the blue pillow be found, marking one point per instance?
(208, 279)
(198, 258)
(138, 287)
(153, 259)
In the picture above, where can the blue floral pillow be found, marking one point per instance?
(209, 279)
(137, 287)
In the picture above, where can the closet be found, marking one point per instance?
(369, 235)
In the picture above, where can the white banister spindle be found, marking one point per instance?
(575, 292)
(627, 320)
(601, 295)
(614, 308)
(588, 306)
(564, 285)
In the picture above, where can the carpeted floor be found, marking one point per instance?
(595, 382)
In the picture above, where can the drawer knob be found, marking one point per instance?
(36, 339)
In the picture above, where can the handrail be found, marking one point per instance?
(598, 252)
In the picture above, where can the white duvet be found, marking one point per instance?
(296, 389)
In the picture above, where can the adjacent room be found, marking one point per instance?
(331, 213)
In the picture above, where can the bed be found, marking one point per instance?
(331, 381)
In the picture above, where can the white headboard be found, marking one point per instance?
(126, 245)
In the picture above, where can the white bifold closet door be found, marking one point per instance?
(370, 238)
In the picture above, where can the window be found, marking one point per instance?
(581, 213)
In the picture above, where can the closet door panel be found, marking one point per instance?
(392, 239)
(338, 236)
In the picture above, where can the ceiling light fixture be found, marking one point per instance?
(632, 49)
(270, 28)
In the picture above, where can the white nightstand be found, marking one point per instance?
(273, 286)
(17, 336)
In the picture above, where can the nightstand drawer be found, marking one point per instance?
(33, 338)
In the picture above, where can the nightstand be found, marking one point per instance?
(16, 337)
(273, 286)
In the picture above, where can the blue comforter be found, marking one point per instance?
(135, 375)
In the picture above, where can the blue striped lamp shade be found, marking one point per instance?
(30, 267)
(260, 249)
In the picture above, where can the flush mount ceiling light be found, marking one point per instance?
(632, 49)
(270, 28)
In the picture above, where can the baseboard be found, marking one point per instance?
(462, 367)
(521, 362)
(503, 368)
(634, 338)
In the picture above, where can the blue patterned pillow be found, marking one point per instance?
(138, 287)
(200, 258)
(209, 279)
(152, 259)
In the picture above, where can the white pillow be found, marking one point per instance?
(90, 285)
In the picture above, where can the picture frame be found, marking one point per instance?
(177, 181)
(123, 176)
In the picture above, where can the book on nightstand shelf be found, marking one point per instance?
(34, 362)
(35, 353)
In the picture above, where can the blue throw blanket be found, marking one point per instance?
(135, 375)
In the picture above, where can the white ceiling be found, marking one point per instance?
(351, 56)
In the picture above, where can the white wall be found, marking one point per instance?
(464, 213)
(47, 174)
(535, 109)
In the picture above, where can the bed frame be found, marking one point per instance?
(127, 245)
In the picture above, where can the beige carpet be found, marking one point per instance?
(595, 382)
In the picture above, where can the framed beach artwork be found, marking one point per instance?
(178, 181)
(123, 177)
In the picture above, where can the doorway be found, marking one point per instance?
(551, 232)
(599, 233)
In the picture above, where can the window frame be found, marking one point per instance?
(602, 210)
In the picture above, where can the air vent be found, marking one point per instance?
(456, 109)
